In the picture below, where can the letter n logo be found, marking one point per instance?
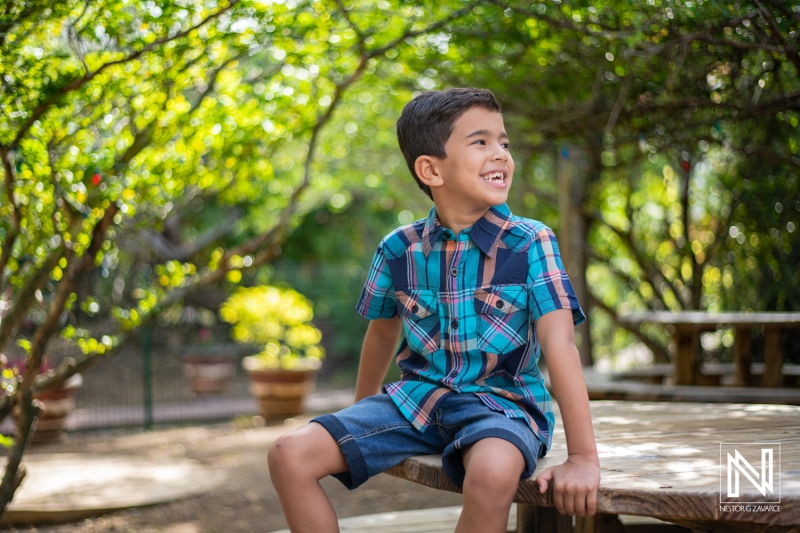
(737, 464)
(740, 460)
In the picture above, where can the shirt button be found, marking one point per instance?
(499, 304)
(454, 272)
(454, 324)
(414, 308)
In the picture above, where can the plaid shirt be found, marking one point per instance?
(469, 305)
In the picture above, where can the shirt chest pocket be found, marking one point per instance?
(420, 312)
(502, 318)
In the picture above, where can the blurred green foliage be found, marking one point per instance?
(228, 136)
(155, 153)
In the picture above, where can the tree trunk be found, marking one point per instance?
(574, 165)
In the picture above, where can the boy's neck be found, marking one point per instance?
(457, 219)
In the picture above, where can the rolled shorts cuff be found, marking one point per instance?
(352, 455)
(453, 463)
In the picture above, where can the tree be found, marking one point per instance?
(119, 119)
(118, 115)
(671, 111)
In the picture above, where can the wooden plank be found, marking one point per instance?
(605, 523)
(689, 324)
(643, 392)
(444, 519)
(685, 345)
(665, 462)
(665, 496)
(532, 519)
(742, 357)
(773, 358)
(662, 370)
(648, 373)
(435, 520)
(702, 320)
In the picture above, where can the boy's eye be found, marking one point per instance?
(483, 142)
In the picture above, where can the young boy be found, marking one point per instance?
(478, 293)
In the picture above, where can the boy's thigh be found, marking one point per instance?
(468, 420)
(373, 436)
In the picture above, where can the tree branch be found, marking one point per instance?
(262, 246)
(652, 274)
(694, 283)
(167, 252)
(353, 26)
(25, 297)
(565, 23)
(660, 352)
(625, 278)
(788, 48)
(623, 94)
(6, 22)
(14, 472)
(48, 102)
(16, 213)
(23, 396)
(410, 34)
(785, 9)
(211, 83)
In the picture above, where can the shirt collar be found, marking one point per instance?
(486, 233)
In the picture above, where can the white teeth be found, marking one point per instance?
(494, 176)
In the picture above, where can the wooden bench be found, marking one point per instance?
(713, 374)
(647, 392)
(686, 328)
(663, 463)
(444, 520)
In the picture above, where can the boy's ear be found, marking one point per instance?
(427, 170)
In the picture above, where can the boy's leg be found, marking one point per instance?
(493, 468)
(353, 445)
(297, 462)
(487, 455)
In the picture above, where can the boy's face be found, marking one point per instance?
(478, 170)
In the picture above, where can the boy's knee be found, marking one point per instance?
(309, 452)
(492, 479)
(286, 453)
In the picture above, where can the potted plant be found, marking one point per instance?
(278, 321)
(208, 366)
(56, 404)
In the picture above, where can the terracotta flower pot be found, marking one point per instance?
(280, 392)
(208, 369)
(57, 404)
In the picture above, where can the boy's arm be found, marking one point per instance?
(376, 355)
(576, 480)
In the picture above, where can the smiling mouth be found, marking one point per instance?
(494, 176)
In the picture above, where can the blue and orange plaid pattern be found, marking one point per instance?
(469, 305)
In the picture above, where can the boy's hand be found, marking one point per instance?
(575, 483)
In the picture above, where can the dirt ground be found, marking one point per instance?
(245, 502)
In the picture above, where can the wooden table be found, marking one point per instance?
(687, 326)
(662, 461)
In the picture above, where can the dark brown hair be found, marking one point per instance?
(427, 122)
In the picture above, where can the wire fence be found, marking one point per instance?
(147, 382)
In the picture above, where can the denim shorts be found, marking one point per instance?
(374, 436)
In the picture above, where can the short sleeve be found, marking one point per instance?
(548, 284)
(377, 297)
